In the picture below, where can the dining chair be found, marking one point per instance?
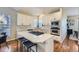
(3, 40)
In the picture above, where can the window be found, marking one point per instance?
(4, 20)
(37, 23)
(40, 23)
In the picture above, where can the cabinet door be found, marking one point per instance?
(45, 20)
(26, 20)
(19, 19)
(23, 19)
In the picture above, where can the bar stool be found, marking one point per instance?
(22, 39)
(29, 46)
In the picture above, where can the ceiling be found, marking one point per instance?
(36, 10)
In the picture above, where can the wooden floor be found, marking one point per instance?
(12, 47)
(67, 46)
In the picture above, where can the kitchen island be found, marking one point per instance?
(44, 41)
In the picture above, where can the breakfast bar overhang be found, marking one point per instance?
(44, 41)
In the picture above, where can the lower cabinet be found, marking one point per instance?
(47, 46)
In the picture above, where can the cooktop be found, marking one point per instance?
(37, 33)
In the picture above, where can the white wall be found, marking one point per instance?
(11, 12)
(71, 11)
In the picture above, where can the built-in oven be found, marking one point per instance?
(55, 29)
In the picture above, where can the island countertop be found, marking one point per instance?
(33, 38)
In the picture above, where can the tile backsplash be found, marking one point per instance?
(22, 27)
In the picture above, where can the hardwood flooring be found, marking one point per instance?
(12, 47)
(67, 46)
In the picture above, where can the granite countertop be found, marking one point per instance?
(35, 38)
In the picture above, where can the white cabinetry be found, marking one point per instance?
(58, 26)
(23, 19)
(46, 46)
(26, 20)
(45, 19)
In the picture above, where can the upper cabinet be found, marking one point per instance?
(26, 20)
(23, 19)
(56, 15)
(45, 19)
